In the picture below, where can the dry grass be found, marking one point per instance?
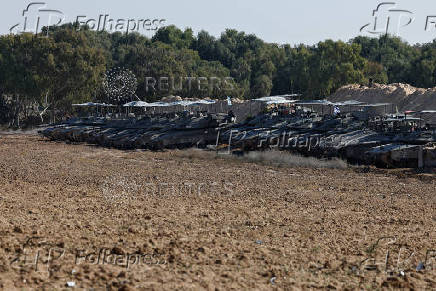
(284, 159)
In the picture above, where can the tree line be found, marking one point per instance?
(43, 75)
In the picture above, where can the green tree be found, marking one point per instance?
(262, 86)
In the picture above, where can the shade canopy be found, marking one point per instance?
(160, 104)
(375, 105)
(403, 119)
(291, 95)
(137, 104)
(88, 104)
(349, 103)
(281, 102)
(182, 103)
(314, 102)
(92, 104)
(271, 99)
(204, 102)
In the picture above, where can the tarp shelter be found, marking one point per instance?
(314, 102)
(271, 99)
(290, 95)
(91, 104)
(184, 103)
(204, 102)
(276, 100)
(349, 103)
(160, 104)
(375, 105)
(281, 102)
(137, 104)
(181, 103)
(403, 119)
(88, 104)
(199, 103)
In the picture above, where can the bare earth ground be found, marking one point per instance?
(197, 222)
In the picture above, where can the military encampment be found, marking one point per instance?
(230, 145)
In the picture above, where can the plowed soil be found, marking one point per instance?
(73, 215)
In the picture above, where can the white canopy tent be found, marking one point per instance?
(182, 103)
(281, 102)
(291, 95)
(88, 104)
(92, 104)
(204, 102)
(271, 99)
(349, 103)
(375, 105)
(276, 99)
(314, 102)
(137, 104)
(160, 104)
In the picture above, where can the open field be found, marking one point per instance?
(187, 220)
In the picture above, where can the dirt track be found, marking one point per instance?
(189, 222)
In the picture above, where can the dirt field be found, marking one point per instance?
(76, 214)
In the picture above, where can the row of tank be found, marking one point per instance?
(154, 133)
(325, 137)
(346, 137)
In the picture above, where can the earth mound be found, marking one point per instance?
(403, 96)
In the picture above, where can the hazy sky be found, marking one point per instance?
(277, 21)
